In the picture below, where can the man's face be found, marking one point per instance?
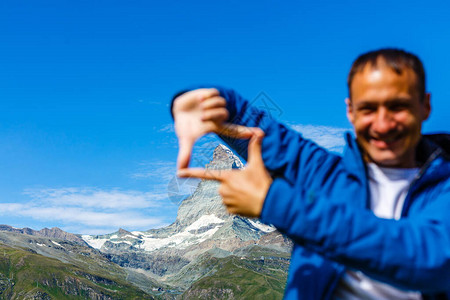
(387, 114)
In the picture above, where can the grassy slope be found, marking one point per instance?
(237, 278)
(23, 273)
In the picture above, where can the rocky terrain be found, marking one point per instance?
(205, 254)
(51, 233)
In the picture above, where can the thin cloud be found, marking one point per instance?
(94, 198)
(164, 182)
(81, 216)
(169, 128)
(331, 138)
(89, 209)
(202, 153)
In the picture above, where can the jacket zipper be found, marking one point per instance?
(413, 187)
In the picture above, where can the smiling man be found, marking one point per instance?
(387, 107)
(372, 224)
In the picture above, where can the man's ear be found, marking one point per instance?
(426, 106)
(350, 112)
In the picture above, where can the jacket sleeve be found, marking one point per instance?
(285, 152)
(411, 253)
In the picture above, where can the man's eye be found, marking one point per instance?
(398, 107)
(366, 109)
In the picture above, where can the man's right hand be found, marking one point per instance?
(197, 113)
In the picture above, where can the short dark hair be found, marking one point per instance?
(396, 59)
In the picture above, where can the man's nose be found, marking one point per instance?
(384, 121)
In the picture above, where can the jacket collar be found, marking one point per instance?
(352, 157)
(430, 143)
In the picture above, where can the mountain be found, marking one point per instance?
(55, 232)
(205, 254)
(203, 239)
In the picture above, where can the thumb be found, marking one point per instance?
(254, 149)
(184, 153)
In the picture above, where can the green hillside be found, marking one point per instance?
(27, 275)
(236, 278)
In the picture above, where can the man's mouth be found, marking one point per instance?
(385, 142)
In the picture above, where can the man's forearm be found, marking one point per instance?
(285, 152)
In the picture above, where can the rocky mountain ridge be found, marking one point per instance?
(202, 227)
(54, 232)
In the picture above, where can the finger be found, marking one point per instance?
(227, 201)
(184, 153)
(213, 102)
(238, 131)
(215, 115)
(232, 210)
(224, 193)
(208, 93)
(202, 173)
(254, 150)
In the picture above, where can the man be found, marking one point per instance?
(372, 224)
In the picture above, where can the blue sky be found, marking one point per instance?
(86, 142)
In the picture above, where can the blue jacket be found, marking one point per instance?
(320, 200)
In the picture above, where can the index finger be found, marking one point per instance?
(202, 173)
(208, 93)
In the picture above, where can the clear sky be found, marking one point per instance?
(86, 141)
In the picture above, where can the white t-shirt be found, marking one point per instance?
(388, 189)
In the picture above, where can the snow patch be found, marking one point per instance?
(262, 227)
(180, 240)
(121, 242)
(130, 236)
(42, 245)
(57, 244)
(96, 243)
(204, 221)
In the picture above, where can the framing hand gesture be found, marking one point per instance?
(243, 191)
